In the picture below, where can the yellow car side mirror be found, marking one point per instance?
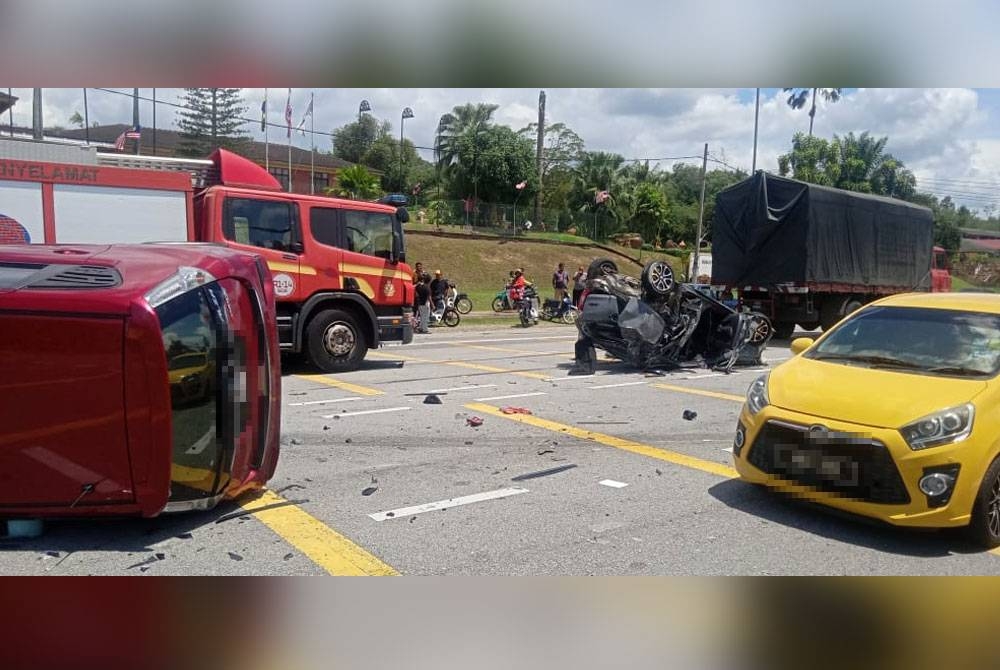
(800, 344)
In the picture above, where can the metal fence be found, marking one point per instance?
(510, 219)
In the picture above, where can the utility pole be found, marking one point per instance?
(756, 116)
(701, 216)
(538, 155)
(135, 116)
(36, 114)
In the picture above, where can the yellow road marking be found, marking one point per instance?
(710, 394)
(324, 546)
(345, 386)
(399, 357)
(490, 368)
(627, 445)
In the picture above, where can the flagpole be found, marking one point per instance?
(288, 121)
(86, 118)
(267, 162)
(154, 121)
(312, 146)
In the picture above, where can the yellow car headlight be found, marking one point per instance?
(757, 394)
(945, 427)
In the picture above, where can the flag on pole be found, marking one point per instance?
(302, 124)
(263, 112)
(132, 133)
(520, 187)
(601, 197)
(288, 113)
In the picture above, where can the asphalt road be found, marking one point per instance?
(373, 480)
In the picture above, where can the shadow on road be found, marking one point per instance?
(813, 518)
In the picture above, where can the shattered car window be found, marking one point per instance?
(655, 322)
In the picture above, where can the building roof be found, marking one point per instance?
(984, 245)
(979, 233)
(171, 140)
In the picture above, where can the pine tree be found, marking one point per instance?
(211, 118)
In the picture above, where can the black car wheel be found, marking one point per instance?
(602, 267)
(658, 278)
(985, 525)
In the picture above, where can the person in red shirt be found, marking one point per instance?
(517, 286)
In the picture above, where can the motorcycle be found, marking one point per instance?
(527, 307)
(502, 301)
(560, 310)
(463, 303)
(449, 316)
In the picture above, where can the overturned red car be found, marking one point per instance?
(136, 379)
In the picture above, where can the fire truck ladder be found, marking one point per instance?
(203, 172)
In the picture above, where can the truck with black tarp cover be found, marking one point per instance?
(807, 254)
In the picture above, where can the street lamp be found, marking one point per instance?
(407, 114)
(365, 107)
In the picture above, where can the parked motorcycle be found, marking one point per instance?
(463, 303)
(560, 310)
(502, 301)
(527, 307)
(448, 316)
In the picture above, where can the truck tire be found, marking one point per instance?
(335, 342)
(833, 310)
(783, 330)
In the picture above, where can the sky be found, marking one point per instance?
(949, 137)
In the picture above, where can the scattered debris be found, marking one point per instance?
(289, 488)
(300, 393)
(321, 460)
(412, 519)
(468, 442)
(152, 559)
(543, 473)
(235, 556)
(370, 490)
(658, 471)
(287, 557)
(296, 440)
(326, 427)
(432, 399)
(347, 441)
(542, 452)
(390, 514)
(184, 536)
(243, 516)
(690, 415)
(336, 416)
(515, 410)
(53, 554)
(656, 373)
(474, 421)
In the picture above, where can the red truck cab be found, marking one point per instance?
(136, 379)
(341, 283)
(940, 271)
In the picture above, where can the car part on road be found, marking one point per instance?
(543, 473)
(432, 399)
(474, 421)
(515, 410)
(656, 322)
(689, 415)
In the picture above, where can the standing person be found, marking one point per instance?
(579, 285)
(423, 300)
(418, 272)
(560, 280)
(439, 286)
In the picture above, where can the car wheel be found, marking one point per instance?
(762, 329)
(602, 267)
(451, 318)
(658, 278)
(463, 305)
(335, 342)
(984, 527)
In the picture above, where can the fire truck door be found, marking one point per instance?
(272, 229)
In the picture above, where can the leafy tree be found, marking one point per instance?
(211, 117)
(491, 162)
(455, 129)
(811, 159)
(356, 182)
(352, 141)
(597, 171)
(798, 96)
(76, 120)
(561, 149)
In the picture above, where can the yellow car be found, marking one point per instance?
(190, 376)
(893, 414)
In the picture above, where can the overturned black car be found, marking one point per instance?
(658, 323)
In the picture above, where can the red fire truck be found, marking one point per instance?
(341, 283)
(136, 378)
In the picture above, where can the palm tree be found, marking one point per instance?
(597, 171)
(798, 96)
(462, 122)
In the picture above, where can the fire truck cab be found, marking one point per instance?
(341, 283)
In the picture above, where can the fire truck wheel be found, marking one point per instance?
(335, 341)
(783, 330)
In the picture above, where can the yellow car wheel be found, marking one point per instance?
(985, 525)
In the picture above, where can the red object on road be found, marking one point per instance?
(515, 410)
(474, 421)
(137, 378)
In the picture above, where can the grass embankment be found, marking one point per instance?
(480, 266)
